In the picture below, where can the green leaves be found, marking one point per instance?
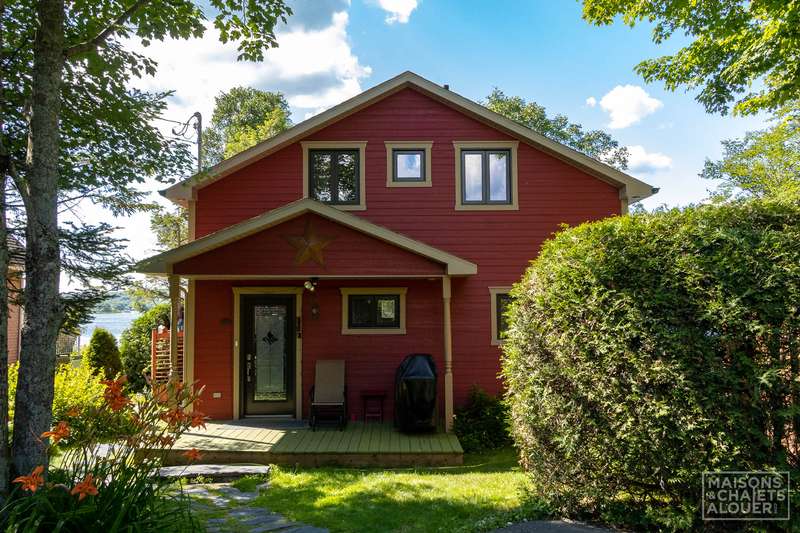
(594, 143)
(742, 54)
(251, 23)
(645, 349)
(242, 118)
(764, 163)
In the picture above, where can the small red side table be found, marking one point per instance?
(373, 404)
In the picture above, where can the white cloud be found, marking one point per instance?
(591, 101)
(398, 10)
(315, 68)
(627, 105)
(640, 160)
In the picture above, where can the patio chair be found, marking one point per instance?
(329, 394)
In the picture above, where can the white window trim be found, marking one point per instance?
(493, 292)
(488, 145)
(426, 146)
(347, 291)
(361, 146)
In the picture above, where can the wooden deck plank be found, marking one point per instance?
(336, 441)
(436, 443)
(359, 443)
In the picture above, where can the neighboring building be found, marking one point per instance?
(15, 282)
(408, 209)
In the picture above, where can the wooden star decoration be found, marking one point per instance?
(309, 245)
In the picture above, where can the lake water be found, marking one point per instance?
(116, 323)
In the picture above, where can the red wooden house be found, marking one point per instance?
(408, 209)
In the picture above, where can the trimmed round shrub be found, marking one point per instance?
(135, 342)
(646, 349)
(102, 353)
(482, 424)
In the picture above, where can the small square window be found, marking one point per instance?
(408, 165)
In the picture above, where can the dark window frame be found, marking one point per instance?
(373, 323)
(334, 174)
(501, 323)
(485, 178)
(422, 169)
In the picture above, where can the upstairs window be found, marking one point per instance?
(334, 176)
(408, 163)
(486, 175)
(333, 173)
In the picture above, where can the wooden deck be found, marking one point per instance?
(267, 441)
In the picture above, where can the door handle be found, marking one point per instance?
(249, 368)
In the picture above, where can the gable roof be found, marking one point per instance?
(162, 263)
(631, 188)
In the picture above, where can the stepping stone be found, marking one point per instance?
(237, 495)
(196, 490)
(278, 526)
(214, 472)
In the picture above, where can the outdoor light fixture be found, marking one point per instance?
(311, 284)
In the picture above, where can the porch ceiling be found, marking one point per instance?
(163, 264)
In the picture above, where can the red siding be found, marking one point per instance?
(371, 360)
(501, 243)
(350, 253)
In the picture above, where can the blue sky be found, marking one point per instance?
(540, 50)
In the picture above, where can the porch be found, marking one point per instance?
(362, 444)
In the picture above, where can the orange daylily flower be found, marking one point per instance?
(193, 454)
(166, 440)
(173, 417)
(74, 412)
(61, 431)
(113, 395)
(32, 481)
(198, 420)
(85, 488)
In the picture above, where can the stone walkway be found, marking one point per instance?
(226, 508)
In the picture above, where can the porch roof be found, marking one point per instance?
(162, 264)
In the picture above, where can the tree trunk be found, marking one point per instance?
(44, 310)
(5, 259)
(4, 303)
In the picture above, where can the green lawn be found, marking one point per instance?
(484, 493)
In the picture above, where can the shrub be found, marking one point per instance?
(646, 349)
(76, 388)
(102, 353)
(135, 341)
(118, 490)
(482, 424)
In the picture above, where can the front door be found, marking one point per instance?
(268, 353)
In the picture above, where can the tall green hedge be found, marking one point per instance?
(646, 349)
(135, 344)
(102, 353)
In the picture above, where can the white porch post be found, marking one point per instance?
(448, 356)
(175, 303)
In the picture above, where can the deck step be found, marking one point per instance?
(216, 473)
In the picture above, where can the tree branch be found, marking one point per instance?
(101, 37)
